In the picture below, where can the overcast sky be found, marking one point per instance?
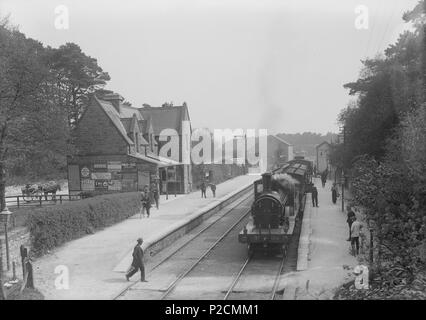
(275, 64)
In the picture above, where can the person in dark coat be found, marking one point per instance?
(314, 194)
(350, 219)
(146, 201)
(137, 263)
(213, 187)
(334, 193)
(324, 178)
(203, 189)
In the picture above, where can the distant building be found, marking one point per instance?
(323, 156)
(115, 146)
(279, 152)
(176, 178)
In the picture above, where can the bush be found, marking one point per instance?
(53, 226)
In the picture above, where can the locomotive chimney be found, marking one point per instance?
(267, 181)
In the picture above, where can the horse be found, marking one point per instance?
(31, 191)
(50, 187)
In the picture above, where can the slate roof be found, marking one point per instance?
(115, 118)
(166, 117)
(124, 121)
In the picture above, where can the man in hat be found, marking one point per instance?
(137, 263)
(314, 195)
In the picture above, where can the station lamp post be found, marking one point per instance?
(4, 216)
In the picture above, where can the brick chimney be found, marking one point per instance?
(115, 99)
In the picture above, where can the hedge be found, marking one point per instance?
(53, 226)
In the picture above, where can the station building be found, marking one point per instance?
(116, 149)
(175, 178)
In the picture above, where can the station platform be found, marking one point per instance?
(97, 263)
(324, 259)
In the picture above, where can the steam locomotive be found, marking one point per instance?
(279, 199)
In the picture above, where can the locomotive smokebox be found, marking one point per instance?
(267, 181)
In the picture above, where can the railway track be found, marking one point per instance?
(219, 267)
(250, 267)
(273, 268)
(225, 213)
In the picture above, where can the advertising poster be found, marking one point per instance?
(85, 172)
(101, 184)
(100, 166)
(101, 175)
(114, 165)
(115, 185)
(87, 185)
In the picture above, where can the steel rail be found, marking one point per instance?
(234, 205)
(236, 279)
(172, 286)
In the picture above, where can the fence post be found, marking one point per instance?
(60, 198)
(17, 200)
(40, 200)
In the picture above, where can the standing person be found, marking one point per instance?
(137, 263)
(324, 178)
(146, 201)
(350, 219)
(155, 194)
(334, 193)
(355, 232)
(203, 189)
(213, 187)
(314, 194)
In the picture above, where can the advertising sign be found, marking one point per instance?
(87, 185)
(100, 166)
(101, 175)
(101, 184)
(114, 185)
(85, 172)
(131, 166)
(114, 165)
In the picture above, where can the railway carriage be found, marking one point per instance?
(278, 201)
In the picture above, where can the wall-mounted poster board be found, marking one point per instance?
(87, 185)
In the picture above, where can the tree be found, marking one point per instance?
(22, 74)
(77, 76)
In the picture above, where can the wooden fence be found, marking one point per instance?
(39, 200)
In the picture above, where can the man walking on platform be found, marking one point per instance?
(137, 263)
(146, 201)
(324, 178)
(203, 188)
(334, 193)
(213, 187)
(314, 194)
(155, 194)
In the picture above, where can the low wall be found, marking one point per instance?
(161, 241)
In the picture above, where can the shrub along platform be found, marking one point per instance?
(51, 227)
